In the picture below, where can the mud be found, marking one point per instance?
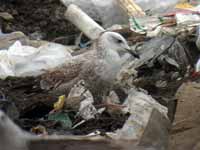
(44, 18)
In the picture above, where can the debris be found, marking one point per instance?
(186, 123)
(198, 37)
(20, 60)
(145, 115)
(138, 101)
(99, 88)
(6, 16)
(85, 101)
(14, 138)
(87, 111)
(184, 6)
(131, 8)
(187, 19)
(77, 94)
(39, 130)
(197, 66)
(6, 40)
(176, 54)
(61, 117)
(161, 84)
(36, 36)
(83, 22)
(156, 6)
(113, 98)
(59, 104)
(194, 2)
(186, 118)
(107, 12)
(167, 59)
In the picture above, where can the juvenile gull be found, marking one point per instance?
(99, 71)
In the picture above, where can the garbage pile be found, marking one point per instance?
(118, 82)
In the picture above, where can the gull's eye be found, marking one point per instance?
(119, 41)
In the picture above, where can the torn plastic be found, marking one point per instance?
(198, 37)
(61, 117)
(156, 6)
(167, 49)
(82, 100)
(145, 113)
(20, 60)
(197, 66)
(164, 14)
(187, 19)
(153, 132)
(131, 8)
(167, 59)
(140, 101)
(87, 110)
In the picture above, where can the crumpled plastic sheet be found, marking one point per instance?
(167, 49)
(20, 60)
(86, 108)
(140, 105)
(187, 19)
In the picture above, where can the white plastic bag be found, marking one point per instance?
(21, 60)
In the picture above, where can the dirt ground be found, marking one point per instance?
(44, 17)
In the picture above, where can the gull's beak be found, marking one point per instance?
(133, 53)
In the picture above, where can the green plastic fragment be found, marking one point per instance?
(63, 118)
(136, 25)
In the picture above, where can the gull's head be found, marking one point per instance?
(116, 42)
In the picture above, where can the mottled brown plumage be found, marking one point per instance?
(98, 68)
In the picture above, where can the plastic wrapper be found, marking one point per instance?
(21, 60)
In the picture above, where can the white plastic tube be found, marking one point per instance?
(83, 22)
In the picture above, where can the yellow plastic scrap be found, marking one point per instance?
(131, 8)
(184, 6)
(60, 103)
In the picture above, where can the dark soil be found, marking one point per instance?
(45, 17)
(33, 103)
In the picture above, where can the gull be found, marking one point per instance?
(98, 71)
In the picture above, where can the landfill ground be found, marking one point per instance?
(43, 17)
(44, 21)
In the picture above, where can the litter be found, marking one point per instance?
(21, 60)
(121, 78)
